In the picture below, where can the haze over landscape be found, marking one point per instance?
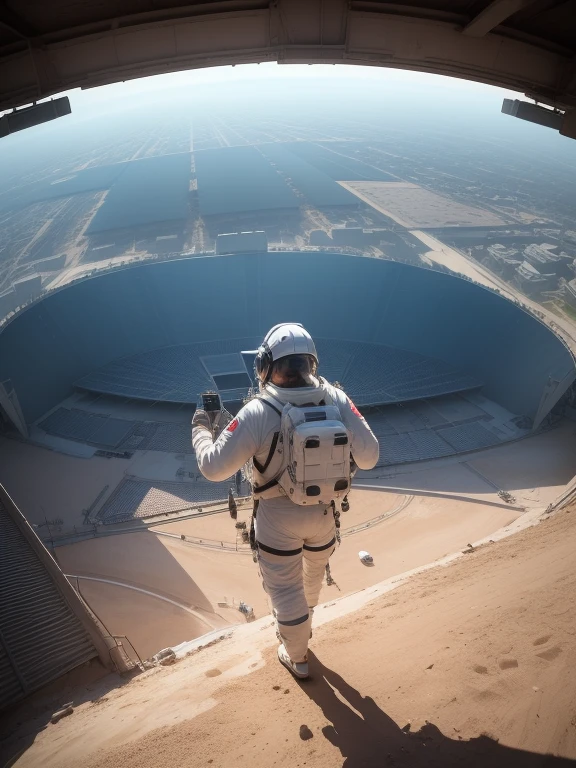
(165, 164)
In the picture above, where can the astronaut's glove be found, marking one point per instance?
(201, 420)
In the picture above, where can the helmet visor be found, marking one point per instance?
(294, 371)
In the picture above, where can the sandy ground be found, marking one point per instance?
(150, 623)
(413, 206)
(364, 507)
(64, 485)
(469, 664)
(198, 578)
(426, 530)
(192, 576)
(535, 470)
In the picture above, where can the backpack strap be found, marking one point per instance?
(269, 404)
(263, 467)
(265, 487)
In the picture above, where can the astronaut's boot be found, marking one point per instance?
(298, 669)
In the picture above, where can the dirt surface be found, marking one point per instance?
(467, 664)
(49, 484)
(535, 470)
(150, 622)
(158, 590)
(413, 206)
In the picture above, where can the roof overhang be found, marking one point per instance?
(509, 43)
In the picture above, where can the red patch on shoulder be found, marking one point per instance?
(355, 410)
(232, 426)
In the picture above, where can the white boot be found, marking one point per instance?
(298, 669)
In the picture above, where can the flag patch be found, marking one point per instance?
(232, 426)
(355, 410)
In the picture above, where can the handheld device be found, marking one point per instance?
(211, 402)
(218, 415)
(212, 405)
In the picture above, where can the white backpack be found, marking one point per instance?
(315, 448)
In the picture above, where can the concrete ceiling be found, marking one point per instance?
(50, 47)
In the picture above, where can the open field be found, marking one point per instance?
(412, 206)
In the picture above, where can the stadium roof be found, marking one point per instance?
(524, 45)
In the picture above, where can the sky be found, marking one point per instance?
(414, 101)
(270, 79)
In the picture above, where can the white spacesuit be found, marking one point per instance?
(294, 542)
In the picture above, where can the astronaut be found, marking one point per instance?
(294, 542)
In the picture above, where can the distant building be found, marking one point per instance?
(531, 281)
(242, 242)
(544, 260)
(500, 251)
(503, 261)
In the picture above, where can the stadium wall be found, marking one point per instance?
(86, 325)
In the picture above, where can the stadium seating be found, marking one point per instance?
(169, 437)
(416, 431)
(169, 374)
(97, 331)
(411, 431)
(138, 498)
(121, 434)
(86, 427)
(468, 437)
(370, 373)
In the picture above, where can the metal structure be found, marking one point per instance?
(525, 45)
(45, 628)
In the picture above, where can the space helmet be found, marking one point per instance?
(288, 351)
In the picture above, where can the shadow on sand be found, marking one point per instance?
(368, 738)
(20, 726)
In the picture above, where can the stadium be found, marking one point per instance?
(101, 377)
(456, 646)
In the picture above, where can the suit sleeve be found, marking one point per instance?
(219, 459)
(365, 449)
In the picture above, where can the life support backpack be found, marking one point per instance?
(313, 448)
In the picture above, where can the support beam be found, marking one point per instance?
(493, 15)
(14, 24)
(311, 31)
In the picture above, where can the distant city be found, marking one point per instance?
(151, 184)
